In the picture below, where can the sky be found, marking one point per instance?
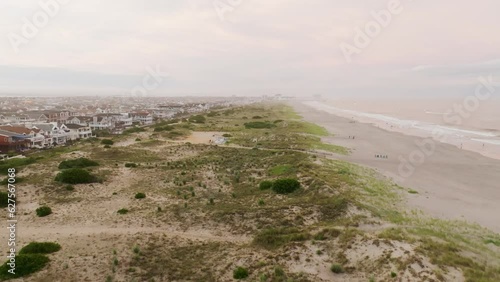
(419, 48)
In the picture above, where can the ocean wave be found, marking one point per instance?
(404, 123)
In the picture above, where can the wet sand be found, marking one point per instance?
(451, 183)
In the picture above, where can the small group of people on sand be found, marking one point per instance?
(382, 156)
(352, 137)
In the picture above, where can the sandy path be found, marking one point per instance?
(69, 231)
(451, 183)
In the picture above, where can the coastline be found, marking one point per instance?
(486, 143)
(450, 183)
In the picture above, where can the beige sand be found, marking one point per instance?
(451, 183)
(478, 133)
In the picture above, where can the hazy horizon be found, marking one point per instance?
(253, 47)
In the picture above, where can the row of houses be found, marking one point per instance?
(40, 135)
(104, 121)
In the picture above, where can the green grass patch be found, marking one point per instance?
(259, 124)
(134, 130)
(337, 268)
(43, 211)
(4, 199)
(108, 142)
(77, 163)
(277, 237)
(265, 185)
(122, 211)
(75, 176)
(140, 196)
(492, 241)
(330, 148)
(281, 170)
(26, 264)
(40, 248)
(14, 163)
(240, 273)
(285, 186)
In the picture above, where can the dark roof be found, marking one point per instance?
(74, 126)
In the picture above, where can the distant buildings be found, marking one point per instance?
(33, 122)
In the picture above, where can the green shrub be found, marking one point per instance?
(240, 273)
(107, 146)
(107, 142)
(227, 135)
(134, 130)
(337, 268)
(266, 184)
(259, 124)
(122, 211)
(285, 186)
(70, 187)
(164, 128)
(43, 211)
(140, 196)
(75, 176)
(101, 132)
(40, 248)
(277, 237)
(17, 162)
(4, 199)
(77, 163)
(282, 170)
(393, 274)
(130, 165)
(279, 272)
(197, 119)
(25, 264)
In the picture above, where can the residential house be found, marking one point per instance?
(168, 110)
(77, 131)
(104, 121)
(10, 141)
(80, 120)
(143, 118)
(35, 138)
(57, 116)
(55, 134)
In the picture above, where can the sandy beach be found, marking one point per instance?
(476, 131)
(452, 183)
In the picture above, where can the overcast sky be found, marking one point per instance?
(428, 48)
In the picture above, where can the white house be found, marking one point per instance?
(77, 131)
(142, 117)
(55, 135)
(102, 122)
